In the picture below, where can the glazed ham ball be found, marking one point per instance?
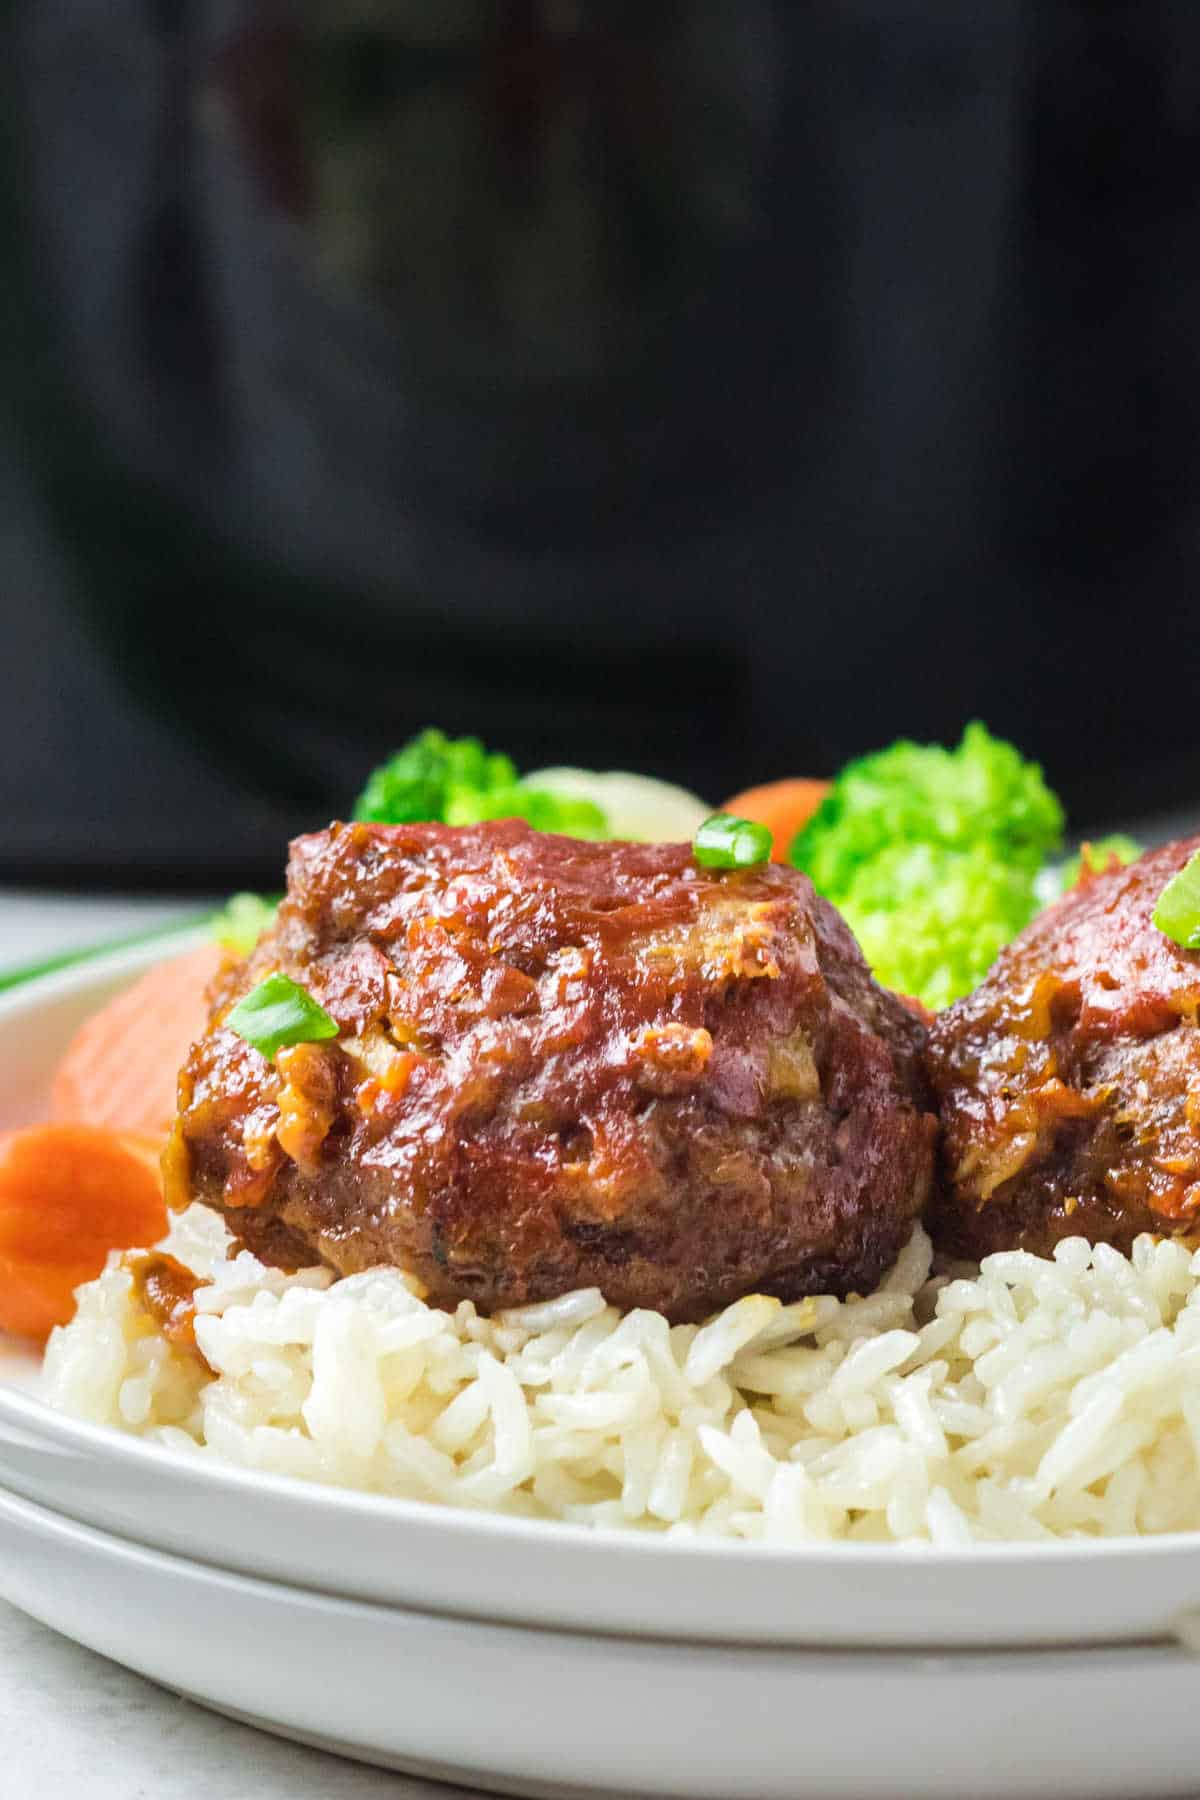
(1069, 1083)
(560, 1065)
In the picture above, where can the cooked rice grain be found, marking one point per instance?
(1031, 1399)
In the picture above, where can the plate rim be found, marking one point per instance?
(561, 1713)
(117, 959)
(27, 1412)
(112, 1543)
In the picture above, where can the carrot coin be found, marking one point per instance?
(119, 1069)
(68, 1195)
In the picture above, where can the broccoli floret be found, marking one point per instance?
(457, 781)
(545, 812)
(932, 856)
(932, 921)
(417, 782)
(242, 921)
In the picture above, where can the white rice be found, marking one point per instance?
(1031, 1399)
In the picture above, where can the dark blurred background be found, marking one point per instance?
(712, 387)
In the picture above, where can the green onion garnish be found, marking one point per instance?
(727, 842)
(278, 1012)
(1177, 914)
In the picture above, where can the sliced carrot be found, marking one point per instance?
(782, 806)
(119, 1069)
(68, 1195)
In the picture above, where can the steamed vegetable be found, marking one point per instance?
(68, 1195)
(419, 780)
(933, 856)
(637, 807)
(1177, 914)
(983, 792)
(120, 1068)
(936, 857)
(544, 811)
(725, 842)
(782, 806)
(242, 921)
(932, 921)
(457, 781)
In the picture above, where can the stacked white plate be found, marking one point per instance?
(543, 1658)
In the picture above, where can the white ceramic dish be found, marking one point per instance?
(565, 1713)
(408, 1554)
(587, 1660)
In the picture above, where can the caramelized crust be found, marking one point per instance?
(563, 1064)
(1069, 1082)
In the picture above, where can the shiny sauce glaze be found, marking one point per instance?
(1069, 1082)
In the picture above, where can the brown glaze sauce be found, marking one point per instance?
(1069, 1081)
(167, 1292)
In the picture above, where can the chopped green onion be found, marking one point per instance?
(278, 1012)
(1177, 914)
(727, 842)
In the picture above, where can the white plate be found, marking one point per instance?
(407, 1554)
(418, 1556)
(550, 1712)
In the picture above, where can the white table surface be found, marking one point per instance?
(75, 1727)
(72, 1725)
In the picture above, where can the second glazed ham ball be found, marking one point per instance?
(563, 1064)
(1069, 1082)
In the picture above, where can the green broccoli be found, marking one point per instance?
(932, 921)
(416, 782)
(457, 781)
(242, 921)
(932, 855)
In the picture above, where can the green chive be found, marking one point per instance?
(727, 842)
(1177, 914)
(279, 1012)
